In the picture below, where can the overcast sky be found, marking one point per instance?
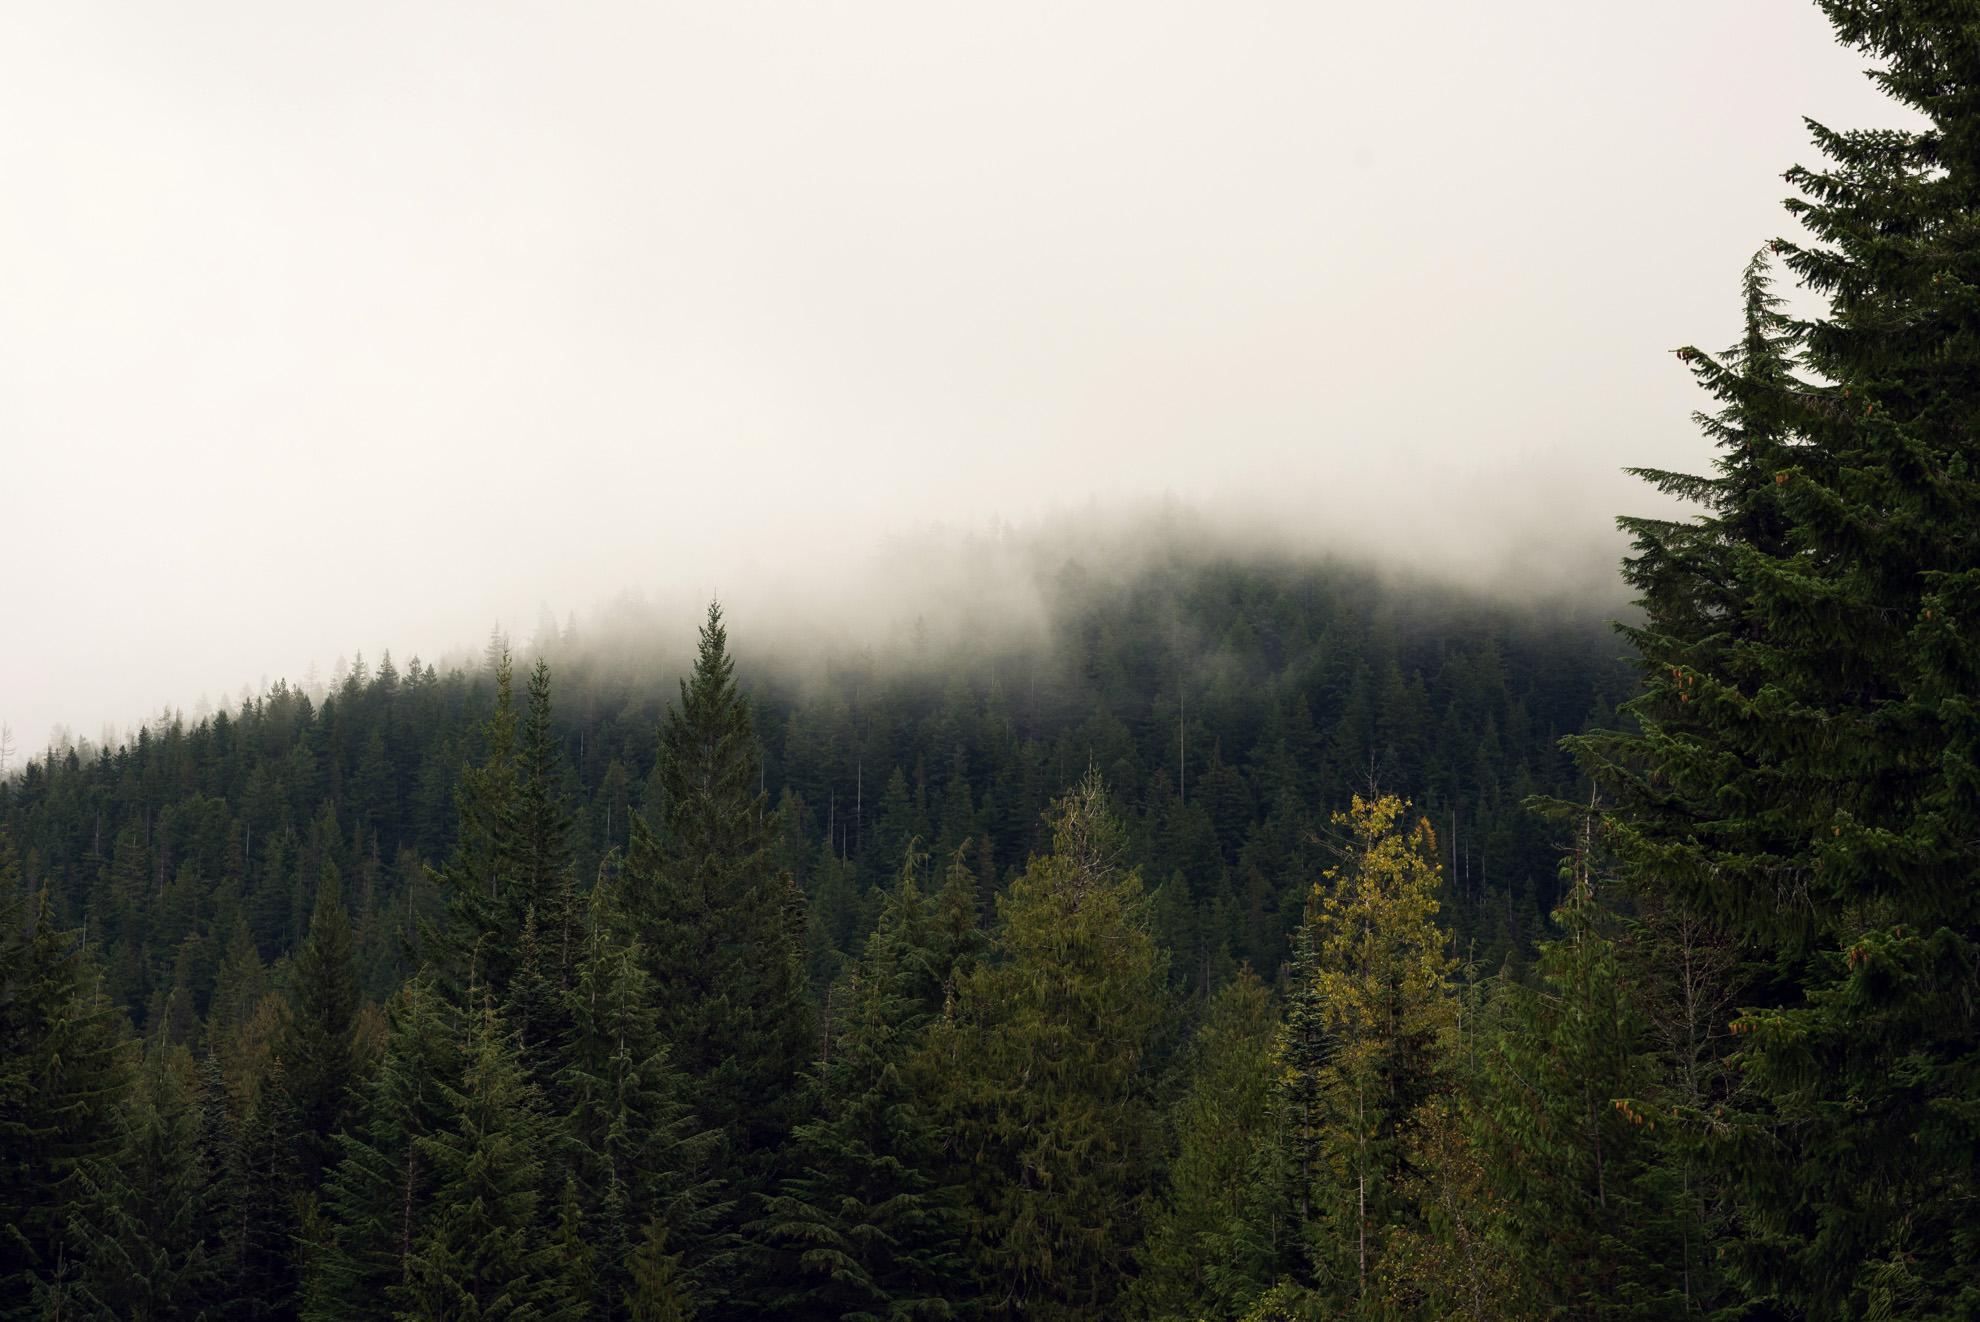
(327, 327)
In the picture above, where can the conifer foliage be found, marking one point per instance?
(64, 1072)
(1044, 1062)
(1804, 775)
(866, 1222)
(322, 1052)
(720, 929)
(1592, 1211)
(1210, 1247)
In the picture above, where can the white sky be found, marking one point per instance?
(326, 327)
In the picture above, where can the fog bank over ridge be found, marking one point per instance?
(939, 591)
(993, 581)
(364, 326)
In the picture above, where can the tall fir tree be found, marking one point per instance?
(1210, 1249)
(147, 1224)
(636, 1156)
(486, 1249)
(721, 932)
(65, 1076)
(1593, 1212)
(320, 1051)
(261, 1182)
(542, 883)
(1040, 1075)
(1366, 1051)
(477, 944)
(868, 1229)
(1804, 771)
(379, 1196)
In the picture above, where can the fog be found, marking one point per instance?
(370, 325)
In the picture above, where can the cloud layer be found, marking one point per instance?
(366, 325)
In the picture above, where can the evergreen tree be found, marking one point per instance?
(542, 883)
(145, 1224)
(637, 1159)
(320, 1052)
(656, 1292)
(1209, 1250)
(261, 1182)
(1039, 1076)
(536, 1011)
(1803, 771)
(379, 1197)
(1367, 1038)
(722, 934)
(477, 945)
(1592, 1212)
(65, 1074)
(485, 1250)
(869, 1231)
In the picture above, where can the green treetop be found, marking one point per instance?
(720, 930)
(1041, 1076)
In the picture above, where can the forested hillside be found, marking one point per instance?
(285, 897)
(1252, 940)
(192, 848)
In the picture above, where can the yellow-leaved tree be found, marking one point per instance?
(1363, 1063)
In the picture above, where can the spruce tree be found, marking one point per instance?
(1802, 771)
(868, 1229)
(1592, 1209)
(722, 934)
(261, 1181)
(1040, 1076)
(65, 1075)
(1209, 1250)
(485, 1250)
(379, 1196)
(320, 1051)
(636, 1157)
(1364, 1059)
(145, 1226)
(656, 1291)
(477, 943)
(542, 883)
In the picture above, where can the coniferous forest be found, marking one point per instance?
(1263, 939)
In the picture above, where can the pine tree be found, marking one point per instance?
(65, 1074)
(656, 1292)
(868, 1230)
(477, 944)
(536, 1011)
(542, 884)
(1803, 774)
(485, 1250)
(1592, 1207)
(721, 933)
(1209, 1250)
(379, 1197)
(320, 1052)
(261, 1180)
(636, 1156)
(1039, 1076)
(145, 1225)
